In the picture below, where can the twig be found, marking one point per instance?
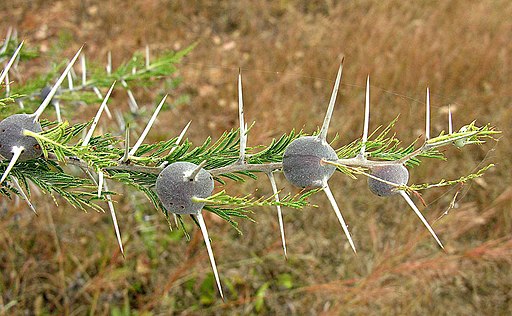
(265, 168)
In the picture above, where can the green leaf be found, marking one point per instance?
(259, 302)
(285, 281)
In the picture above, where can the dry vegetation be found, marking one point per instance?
(67, 262)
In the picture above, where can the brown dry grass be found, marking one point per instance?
(67, 262)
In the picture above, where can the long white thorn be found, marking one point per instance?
(243, 129)
(110, 206)
(70, 81)
(328, 192)
(427, 117)
(7, 40)
(193, 174)
(16, 152)
(73, 73)
(148, 127)
(423, 220)
(279, 212)
(126, 154)
(366, 117)
(7, 85)
(15, 33)
(84, 69)
(204, 231)
(114, 219)
(147, 56)
(52, 92)
(56, 105)
(131, 99)
(132, 102)
(89, 174)
(180, 137)
(109, 63)
(107, 110)
(25, 197)
(18, 58)
(100, 182)
(175, 219)
(11, 61)
(97, 91)
(98, 94)
(120, 120)
(450, 121)
(328, 115)
(97, 117)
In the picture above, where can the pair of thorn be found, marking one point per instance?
(17, 150)
(5, 72)
(242, 160)
(362, 155)
(322, 136)
(134, 107)
(130, 152)
(11, 34)
(102, 183)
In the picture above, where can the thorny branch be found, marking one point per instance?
(227, 157)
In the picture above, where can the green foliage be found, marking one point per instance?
(386, 147)
(48, 176)
(444, 183)
(227, 207)
(260, 297)
(274, 151)
(161, 68)
(11, 46)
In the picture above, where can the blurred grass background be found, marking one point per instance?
(67, 262)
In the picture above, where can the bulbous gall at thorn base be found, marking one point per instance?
(394, 173)
(302, 162)
(175, 190)
(11, 135)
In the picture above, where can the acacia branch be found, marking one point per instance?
(266, 168)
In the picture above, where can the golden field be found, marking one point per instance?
(65, 261)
